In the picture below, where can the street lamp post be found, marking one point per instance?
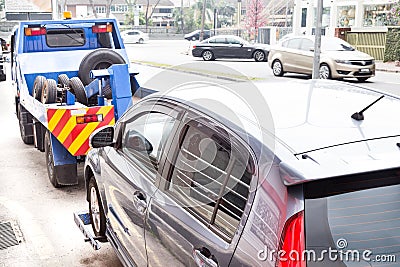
(317, 47)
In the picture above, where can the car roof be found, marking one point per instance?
(307, 115)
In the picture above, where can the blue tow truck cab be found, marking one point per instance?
(71, 77)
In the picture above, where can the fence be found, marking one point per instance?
(372, 43)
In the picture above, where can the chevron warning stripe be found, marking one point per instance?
(62, 123)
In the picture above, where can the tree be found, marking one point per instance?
(255, 17)
(93, 8)
(148, 14)
(108, 7)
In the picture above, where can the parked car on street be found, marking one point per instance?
(134, 36)
(195, 35)
(229, 46)
(338, 58)
(178, 181)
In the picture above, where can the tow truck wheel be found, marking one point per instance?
(51, 171)
(101, 58)
(25, 125)
(49, 93)
(96, 210)
(79, 90)
(38, 87)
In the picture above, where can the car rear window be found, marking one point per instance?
(65, 37)
(354, 221)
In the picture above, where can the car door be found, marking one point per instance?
(306, 55)
(132, 174)
(236, 49)
(218, 46)
(197, 216)
(290, 55)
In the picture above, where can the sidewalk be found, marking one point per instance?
(386, 66)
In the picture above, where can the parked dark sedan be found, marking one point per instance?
(229, 46)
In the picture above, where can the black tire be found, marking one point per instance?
(101, 58)
(49, 93)
(141, 41)
(51, 170)
(79, 90)
(25, 125)
(96, 211)
(362, 79)
(325, 71)
(107, 91)
(207, 55)
(277, 68)
(63, 80)
(38, 87)
(259, 56)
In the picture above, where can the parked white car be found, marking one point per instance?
(134, 36)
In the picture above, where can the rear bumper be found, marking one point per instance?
(197, 52)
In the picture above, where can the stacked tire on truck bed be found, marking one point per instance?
(49, 91)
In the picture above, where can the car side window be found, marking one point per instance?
(233, 41)
(306, 45)
(144, 138)
(294, 43)
(220, 40)
(211, 178)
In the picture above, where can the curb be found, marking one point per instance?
(195, 72)
(387, 70)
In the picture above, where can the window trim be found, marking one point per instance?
(142, 109)
(70, 30)
(238, 144)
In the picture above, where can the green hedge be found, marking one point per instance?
(392, 50)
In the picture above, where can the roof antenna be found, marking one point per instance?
(359, 116)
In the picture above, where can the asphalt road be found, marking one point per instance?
(175, 54)
(43, 214)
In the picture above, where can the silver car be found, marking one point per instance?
(338, 58)
(181, 182)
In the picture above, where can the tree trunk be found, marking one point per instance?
(108, 8)
(93, 8)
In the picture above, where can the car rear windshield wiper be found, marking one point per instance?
(359, 116)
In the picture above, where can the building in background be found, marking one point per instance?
(343, 15)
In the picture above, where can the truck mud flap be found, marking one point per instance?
(82, 220)
(67, 174)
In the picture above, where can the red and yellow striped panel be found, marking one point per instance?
(75, 137)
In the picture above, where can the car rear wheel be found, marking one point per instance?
(324, 72)
(141, 41)
(38, 87)
(362, 79)
(96, 211)
(208, 55)
(277, 68)
(259, 56)
(49, 94)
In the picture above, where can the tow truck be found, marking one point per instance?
(71, 77)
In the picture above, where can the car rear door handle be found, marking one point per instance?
(204, 258)
(139, 202)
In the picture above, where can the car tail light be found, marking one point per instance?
(100, 28)
(194, 47)
(292, 242)
(89, 118)
(35, 31)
